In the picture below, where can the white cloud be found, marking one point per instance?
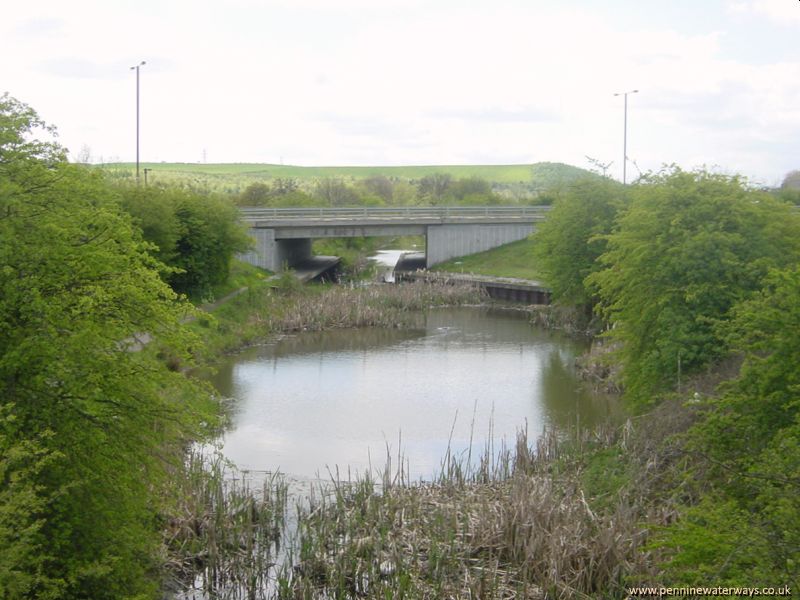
(785, 12)
(401, 82)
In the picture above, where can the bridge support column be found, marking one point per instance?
(453, 240)
(273, 254)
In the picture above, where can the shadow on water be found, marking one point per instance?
(314, 401)
(321, 406)
(585, 407)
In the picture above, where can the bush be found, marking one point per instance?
(689, 247)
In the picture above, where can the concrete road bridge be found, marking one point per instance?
(283, 235)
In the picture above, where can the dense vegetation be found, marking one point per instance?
(693, 273)
(194, 235)
(92, 426)
(694, 277)
(279, 185)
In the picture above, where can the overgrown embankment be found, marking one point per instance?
(694, 277)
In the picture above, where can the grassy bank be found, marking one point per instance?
(511, 260)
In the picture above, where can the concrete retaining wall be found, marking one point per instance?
(272, 254)
(451, 241)
(278, 247)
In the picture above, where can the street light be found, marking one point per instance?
(625, 134)
(136, 67)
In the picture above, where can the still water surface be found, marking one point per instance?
(315, 401)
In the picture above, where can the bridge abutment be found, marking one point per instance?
(273, 254)
(453, 240)
(283, 235)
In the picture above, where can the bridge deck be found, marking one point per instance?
(398, 215)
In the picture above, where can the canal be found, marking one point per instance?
(312, 402)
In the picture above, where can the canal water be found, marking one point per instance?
(314, 402)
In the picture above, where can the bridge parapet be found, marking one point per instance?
(379, 214)
(283, 235)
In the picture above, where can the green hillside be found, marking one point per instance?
(234, 177)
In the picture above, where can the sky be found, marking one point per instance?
(406, 82)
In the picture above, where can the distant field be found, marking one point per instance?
(233, 177)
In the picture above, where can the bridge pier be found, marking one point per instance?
(451, 241)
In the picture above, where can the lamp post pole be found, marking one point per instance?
(625, 134)
(136, 68)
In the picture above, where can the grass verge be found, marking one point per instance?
(511, 260)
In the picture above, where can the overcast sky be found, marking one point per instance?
(389, 82)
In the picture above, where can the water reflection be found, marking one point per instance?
(346, 397)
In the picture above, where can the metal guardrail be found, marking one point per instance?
(398, 212)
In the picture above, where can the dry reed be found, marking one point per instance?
(223, 536)
(517, 525)
(392, 306)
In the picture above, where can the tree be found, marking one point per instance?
(195, 235)
(791, 181)
(283, 186)
(255, 194)
(570, 240)
(381, 186)
(689, 247)
(210, 236)
(335, 192)
(89, 428)
(434, 187)
(472, 190)
(748, 525)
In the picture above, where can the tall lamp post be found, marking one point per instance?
(625, 134)
(136, 68)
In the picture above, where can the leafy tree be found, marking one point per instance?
(282, 186)
(335, 192)
(570, 240)
(472, 190)
(255, 194)
(89, 428)
(297, 198)
(262, 194)
(196, 235)
(22, 502)
(749, 443)
(433, 188)
(792, 180)
(690, 246)
(210, 236)
(153, 211)
(381, 186)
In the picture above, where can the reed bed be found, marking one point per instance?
(548, 520)
(518, 525)
(223, 538)
(564, 517)
(392, 306)
(289, 307)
